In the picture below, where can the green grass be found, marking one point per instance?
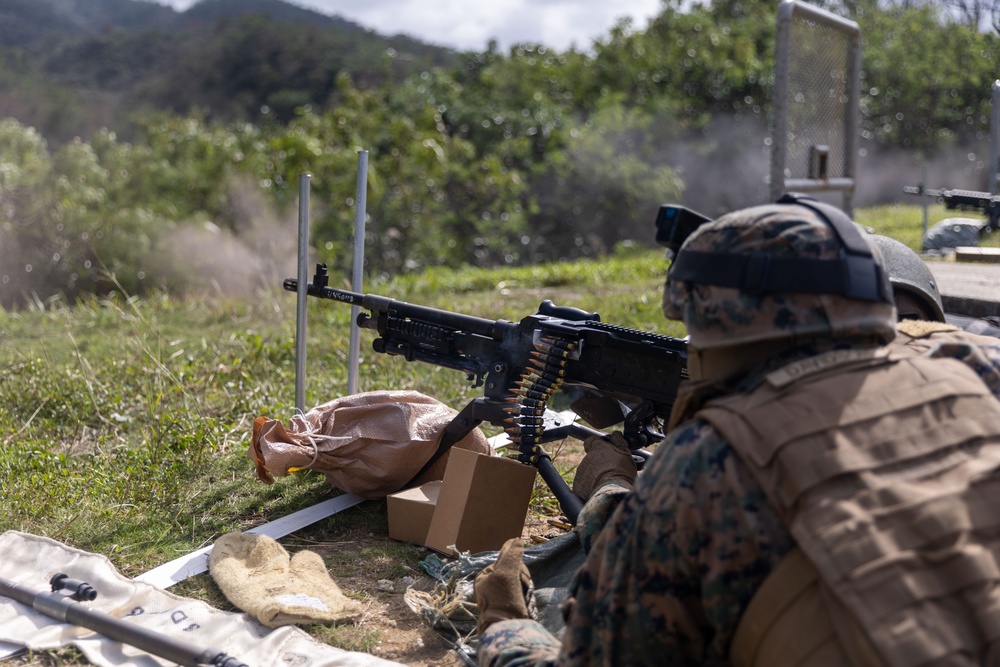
(124, 423)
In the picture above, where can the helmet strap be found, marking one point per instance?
(855, 273)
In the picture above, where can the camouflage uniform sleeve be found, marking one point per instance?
(518, 643)
(596, 514)
(667, 580)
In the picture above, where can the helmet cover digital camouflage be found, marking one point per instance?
(718, 316)
(909, 273)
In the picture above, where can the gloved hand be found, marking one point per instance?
(504, 590)
(606, 459)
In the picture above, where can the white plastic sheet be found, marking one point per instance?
(31, 561)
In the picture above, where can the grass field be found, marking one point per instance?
(125, 422)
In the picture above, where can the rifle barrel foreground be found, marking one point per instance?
(63, 608)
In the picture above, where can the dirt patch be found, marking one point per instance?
(405, 638)
(402, 634)
(389, 628)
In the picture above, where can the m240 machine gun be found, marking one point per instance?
(964, 200)
(621, 375)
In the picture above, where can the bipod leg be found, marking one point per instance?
(472, 415)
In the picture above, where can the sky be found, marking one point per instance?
(470, 24)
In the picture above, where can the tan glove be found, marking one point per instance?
(605, 460)
(258, 576)
(504, 590)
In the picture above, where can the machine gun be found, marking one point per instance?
(964, 200)
(620, 375)
(63, 603)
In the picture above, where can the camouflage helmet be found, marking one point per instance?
(909, 274)
(795, 269)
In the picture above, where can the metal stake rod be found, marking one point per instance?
(360, 213)
(303, 275)
(994, 163)
(925, 201)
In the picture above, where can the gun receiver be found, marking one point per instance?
(619, 375)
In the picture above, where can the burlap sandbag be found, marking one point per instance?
(369, 444)
(258, 576)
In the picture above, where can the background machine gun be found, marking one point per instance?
(621, 375)
(964, 200)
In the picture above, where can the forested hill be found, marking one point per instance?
(494, 158)
(29, 23)
(70, 67)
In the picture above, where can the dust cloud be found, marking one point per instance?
(255, 251)
(727, 167)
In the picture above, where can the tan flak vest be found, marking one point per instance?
(885, 471)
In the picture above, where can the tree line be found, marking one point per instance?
(514, 157)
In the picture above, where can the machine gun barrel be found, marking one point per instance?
(921, 190)
(379, 304)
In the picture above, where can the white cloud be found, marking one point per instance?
(470, 24)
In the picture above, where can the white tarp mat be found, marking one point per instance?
(31, 561)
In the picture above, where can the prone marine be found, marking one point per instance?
(823, 496)
(922, 325)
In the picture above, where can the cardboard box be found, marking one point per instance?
(410, 512)
(482, 503)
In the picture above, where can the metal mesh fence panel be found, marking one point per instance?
(818, 98)
(817, 76)
(993, 169)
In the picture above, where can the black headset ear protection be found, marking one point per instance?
(856, 274)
